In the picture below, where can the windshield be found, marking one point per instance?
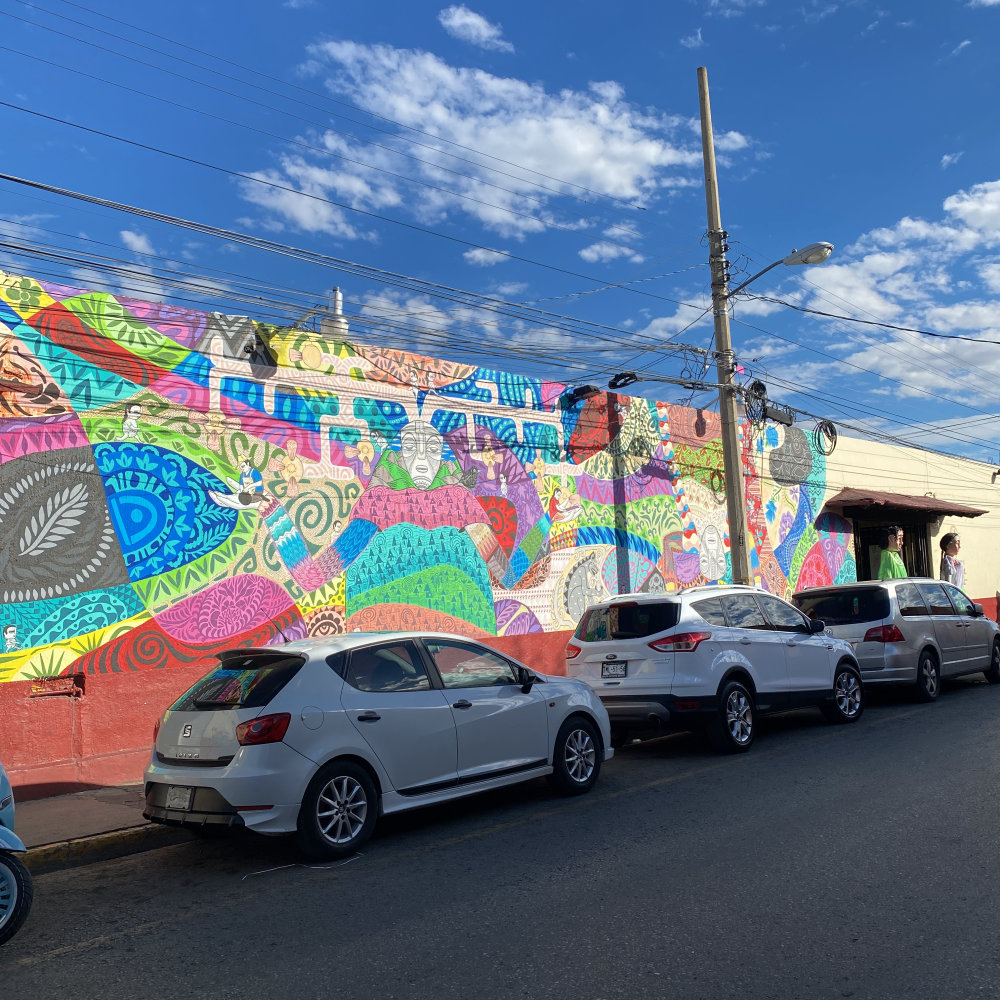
(627, 621)
(844, 607)
(241, 680)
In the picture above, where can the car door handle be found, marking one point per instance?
(745, 640)
(369, 717)
(463, 703)
(791, 642)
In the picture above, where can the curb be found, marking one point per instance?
(64, 854)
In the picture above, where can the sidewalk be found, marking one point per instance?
(65, 831)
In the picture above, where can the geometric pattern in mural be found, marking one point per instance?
(174, 483)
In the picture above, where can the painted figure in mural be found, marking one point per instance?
(712, 557)
(891, 566)
(488, 456)
(952, 568)
(10, 643)
(564, 506)
(363, 457)
(249, 489)
(289, 467)
(416, 538)
(130, 422)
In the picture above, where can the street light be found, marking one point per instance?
(814, 253)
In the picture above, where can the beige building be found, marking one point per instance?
(928, 494)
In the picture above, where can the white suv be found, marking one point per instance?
(710, 657)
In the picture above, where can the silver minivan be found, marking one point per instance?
(910, 631)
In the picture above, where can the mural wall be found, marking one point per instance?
(175, 482)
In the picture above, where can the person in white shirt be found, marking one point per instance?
(952, 568)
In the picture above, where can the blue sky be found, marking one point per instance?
(564, 136)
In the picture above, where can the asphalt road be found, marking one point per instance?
(858, 861)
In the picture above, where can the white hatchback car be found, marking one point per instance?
(710, 657)
(321, 736)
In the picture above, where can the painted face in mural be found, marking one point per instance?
(421, 450)
(9, 638)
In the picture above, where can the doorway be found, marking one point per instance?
(870, 537)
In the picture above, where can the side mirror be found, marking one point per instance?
(527, 679)
(816, 625)
(977, 611)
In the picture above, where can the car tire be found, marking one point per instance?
(576, 757)
(734, 728)
(338, 811)
(848, 699)
(928, 677)
(993, 674)
(16, 892)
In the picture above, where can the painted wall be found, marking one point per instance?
(174, 482)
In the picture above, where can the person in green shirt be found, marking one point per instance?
(891, 566)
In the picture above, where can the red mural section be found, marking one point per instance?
(149, 647)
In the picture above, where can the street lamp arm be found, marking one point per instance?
(814, 253)
(739, 288)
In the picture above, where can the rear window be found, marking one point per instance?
(627, 621)
(241, 680)
(844, 607)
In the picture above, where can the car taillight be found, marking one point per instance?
(156, 730)
(884, 633)
(572, 651)
(683, 642)
(266, 729)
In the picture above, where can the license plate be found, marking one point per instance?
(178, 797)
(614, 668)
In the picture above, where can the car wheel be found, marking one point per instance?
(338, 811)
(16, 892)
(928, 677)
(993, 674)
(733, 729)
(576, 757)
(848, 696)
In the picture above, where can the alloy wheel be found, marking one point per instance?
(929, 672)
(739, 717)
(341, 809)
(848, 693)
(580, 755)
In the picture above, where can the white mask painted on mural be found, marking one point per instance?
(421, 450)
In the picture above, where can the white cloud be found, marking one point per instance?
(732, 8)
(468, 26)
(137, 242)
(299, 4)
(604, 251)
(989, 274)
(481, 257)
(937, 275)
(949, 159)
(978, 208)
(511, 288)
(562, 143)
(983, 3)
(961, 45)
(694, 41)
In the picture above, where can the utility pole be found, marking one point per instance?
(736, 506)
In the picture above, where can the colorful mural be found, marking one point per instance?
(175, 482)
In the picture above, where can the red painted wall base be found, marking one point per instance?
(58, 743)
